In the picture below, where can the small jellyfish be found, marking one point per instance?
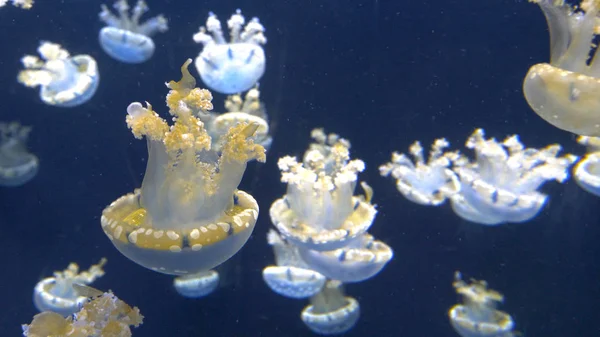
(425, 183)
(587, 170)
(65, 81)
(501, 184)
(319, 210)
(477, 315)
(189, 215)
(17, 165)
(232, 67)
(197, 285)
(330, 312)
(25, 4)
(564, 92)
(57, 293)
(291, 277)
(126, 39)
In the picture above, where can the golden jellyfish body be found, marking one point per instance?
(564, 92)
(188, 216)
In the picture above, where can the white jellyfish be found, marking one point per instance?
(65, 81)
(587, 171)
(197, 285)
(232, 67)
(125, 38)
(330, 312)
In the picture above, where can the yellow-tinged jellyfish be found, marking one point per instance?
(25, 4)
(477, 315)
(57, 293)
(233, 67)
(587, 170)
(564, 92)
(101, 315)
(64, 80)
(319, 210)
(126, 39)
(188, 215)
(330, 312)
(501, 184)
(426, 183)
(17, 165)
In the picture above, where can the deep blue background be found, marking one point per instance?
(380, 73)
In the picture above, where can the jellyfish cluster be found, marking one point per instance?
(321, 238)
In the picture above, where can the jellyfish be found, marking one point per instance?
(188, 216)
(57, 294)
(290, 277)
(101, 314)
(330, 312)
(502, 184)
(25, 4)
(197, 285)
(564, 92)
(425, 183)
(126, 39)
(319, 210)
(233, 67)
(587, 170)
(477, 316)
(17, 165)
(64, 81)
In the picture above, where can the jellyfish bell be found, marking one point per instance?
(564, 92)
(232, 67)
(587, 170)
(125, 38)
(330, 312)
(17, 165)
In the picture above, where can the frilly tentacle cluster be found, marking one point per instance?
(477, 316)
(17, 165)
(499, 186)
(102, 315)
(132, 23)
(322, 229)
(188, 211)
(232, 66)
(587, 170)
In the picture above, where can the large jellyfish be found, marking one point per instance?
(233, 67)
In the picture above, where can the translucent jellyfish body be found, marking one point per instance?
(125, 38)
(104, 314)
(188, 215)
(564, 92)
(25, 4)
(197, 285)
(501, 185)
(330, 312)
(57, 293)
(64, 80)
(319, 210)
(425, 183)
(17, 165)
(291, 277)
(232, 67)
(477, 315)
(587, 170)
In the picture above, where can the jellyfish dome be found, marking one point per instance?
(587, 170)
(233, 67)
(65, 81)
(564, 92)
(125, 38)
(188, 216)
(17, 165)
(330, 312)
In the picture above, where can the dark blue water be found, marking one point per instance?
(380, 73)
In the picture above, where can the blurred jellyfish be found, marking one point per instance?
(25, 4)
(232, 67)
(17, 165)
(477, 315)
(291, 277)
(502, 184)
(126, 39)
(64, 81)
(57, 293)
(197, 285)
(425, 183)
(564, 92)
(587, 170)
(330, 312)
